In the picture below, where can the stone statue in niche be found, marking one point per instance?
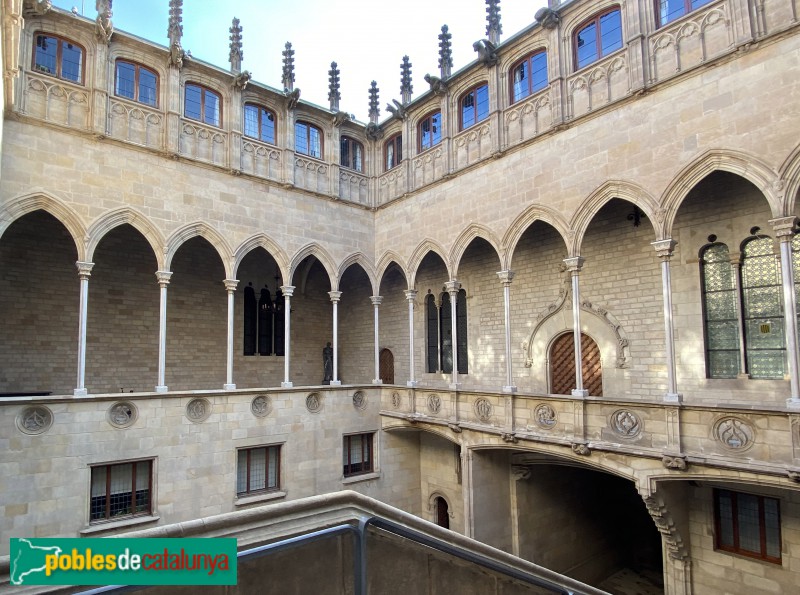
(327, 363)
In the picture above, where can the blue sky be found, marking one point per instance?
(367, 38)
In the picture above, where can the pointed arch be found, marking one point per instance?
(736, 162)
(42, 201)
(790, 181)
(318, 252)
(361, 260)
(198, 228)
(263, 241)
(125, 216)
(419, 253)
(463, 241)
(603, 194)
(523, 221)
(385, 261)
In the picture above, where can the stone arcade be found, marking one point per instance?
(562, 289)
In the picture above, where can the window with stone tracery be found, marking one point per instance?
(393, 152)
(308, 140)
(529, 76)
(669, 10)
(259, 122)
(202, 104)
(440, 334)
(598, 37)
(474, 106)
(58, 57)
(136, 82)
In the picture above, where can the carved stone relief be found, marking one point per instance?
(483, 409)
(396, 400)
(359, 400)
(625, 423)
(733, 433)
(545, 416)
(434, 404)
(261, 406)
(198, 410)
(314, 402)
(581, 449)
(122, 414)
(35, 420)
(666, 526)
(676, 462)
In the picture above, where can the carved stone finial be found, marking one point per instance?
(288, 68)
(374, 110)
(493, 26)
(37, 8)
(438, 86)
(445, 53)
(236, 54)
(487, 52)
(334, 96)
(103, 27)
(397, 110)
(405, 81)
(547, 17)
(175, 32)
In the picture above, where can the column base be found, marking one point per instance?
(286, 385)
(377, 381)
(509, 389)
(229, 387)
(80, 392)
(161, 389)
(412, 384)
(583, 393)
(793, 403)
(455, 386)
(673, 398)
(336, 383)
(745, 377)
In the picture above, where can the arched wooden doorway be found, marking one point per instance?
(442, 512)
(387, 366)
(562, 365)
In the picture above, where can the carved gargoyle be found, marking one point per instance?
(398, 110)
(676, 462)
(176, 55)
(37, 8)
(438, 86)
(487, 53)
(103, 26)
(292, 98)
(373, 131)
(547, 18)
(581, 449)
(340, 118)
(240, 80)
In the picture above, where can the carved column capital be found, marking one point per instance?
(453, 287)
(574, 264)
(287, 290)
(520, 472)
(230, 284)
(163, 277)
(664, 248)
(506, 277)
(376, 299)
(784, 228)
(84, 269)
(411, 295)
(335, 296)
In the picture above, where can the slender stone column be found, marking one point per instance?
(574, 265)
(335, 297)
(287, 290)
(84, 272)
(505, 278)
(736, 264)
(376, 301)
(230, 286)
(784, 230)
(664, 250)
(163, 280)
(453, 288)
(411, 296)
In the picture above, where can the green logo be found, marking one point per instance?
(123, 561)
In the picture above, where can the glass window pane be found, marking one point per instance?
(267, 126)
(539, 72)
(772, 527)
(436, 129)
(482, 102)
(126, 76)
(241, 472)
(71, 60)
(669, 10)
(357, 165)
(272, 475)
(586, 45)
(725, 512)
(390, 155)
(468, 110)
(192, 98)
(211, 108)
(610, 32)
(301, 138)
(258, 469)
(148, 86)
(251, 121)
(46, 52)
(315, 142)
(520, 83)
(344, 152)
(749, 533)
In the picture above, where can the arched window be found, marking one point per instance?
(562, 365)
(430, 131)
(598, 37)
(719, 312)
(202, 104)
(386, 366)
(308, 140)
(259, 122)
(669, 10)
(351, 154)
(446, 333)
(393, 151)
(441, 512)
(432, 333)
(474, 106)
(58, 57)
(136, 82)
(461, 332)
(529, 76)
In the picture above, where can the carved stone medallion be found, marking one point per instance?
(625, 423)
(734, 433)
(36, 419)
(545, 416)
(198, 410)
(359, 400)
(483, 409)
(396, 400)
(314, 402)
(434, 404)
(261, 406)
(122, 414)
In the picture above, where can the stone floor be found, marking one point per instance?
(630, 582)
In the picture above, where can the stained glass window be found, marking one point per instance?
(720, 319)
